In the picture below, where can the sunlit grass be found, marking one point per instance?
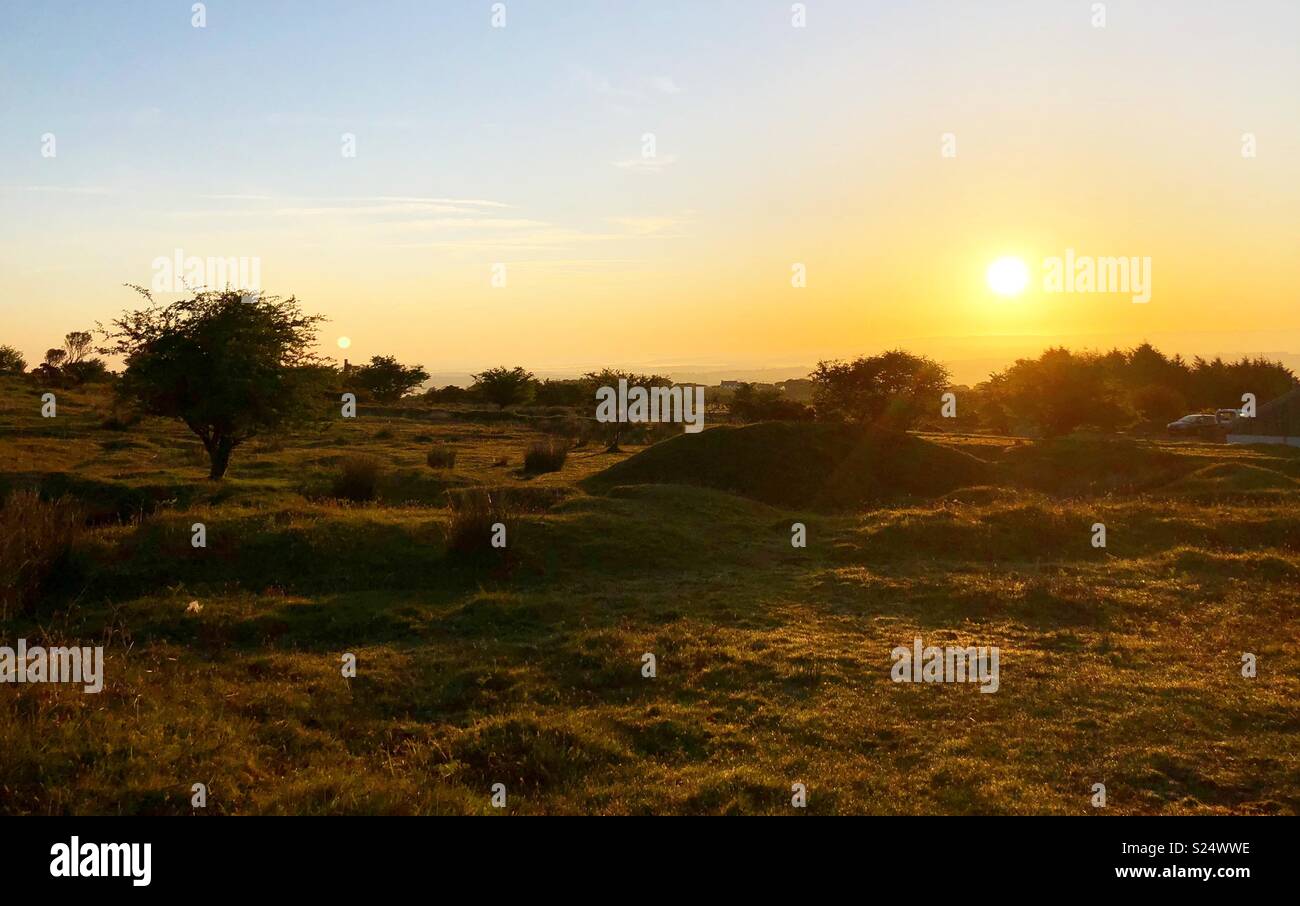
(1119, 665)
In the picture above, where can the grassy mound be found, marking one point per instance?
(1087, 464)
(1232, 478)
(822, 466)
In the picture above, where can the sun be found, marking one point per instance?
(1008, 276)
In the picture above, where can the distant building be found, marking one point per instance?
(1276, 422)
(733, 385)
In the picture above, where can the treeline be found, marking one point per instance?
(67, 366)
(1058, 392)
(386, 380)
(231, 369)
(1062, 391)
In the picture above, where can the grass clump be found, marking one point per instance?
(442, 456)
(358, 479)
(475, 513)
(545, 456)
(36, 538)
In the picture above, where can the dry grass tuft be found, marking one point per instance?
(358, 479)
(36, 537)
(442, 456)
(546, 456)
(474, 513)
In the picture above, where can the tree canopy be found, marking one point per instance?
(387, 379)
(228, 368)
(891, 389)
(505, 386)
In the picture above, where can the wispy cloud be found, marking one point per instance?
(474, 223)
(553, 237)
(396, 206)
(656, 164)
(65, 190)
(654, 225)
(365, 199)
(641, 90)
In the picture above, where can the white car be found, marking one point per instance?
(1201, 424)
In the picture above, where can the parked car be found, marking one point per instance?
(1202, 424)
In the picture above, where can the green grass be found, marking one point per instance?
(1119, 665)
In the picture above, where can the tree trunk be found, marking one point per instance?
(613, 443)
(219, 454)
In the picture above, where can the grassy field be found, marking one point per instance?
(1119, 666)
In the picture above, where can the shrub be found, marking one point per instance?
(449, 394)
(386, 379)
(87, 371)
(473, 514)
(563, 393)
(889, 390)
(1155, 402)
(11, 361)
(358, 479)
(120, 420)
(545, 456)
(36, 538)
(766, 404)
(442, 456)
(505, 386)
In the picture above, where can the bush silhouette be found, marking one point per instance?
(505, 386)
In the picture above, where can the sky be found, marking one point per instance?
(651, 178)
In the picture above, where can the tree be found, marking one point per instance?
(387, 379)
(76, 367)
(765, 404)
(1219, 384)
(1058, 392)
(449, 394)
(609, 377)
(86, 371)
(77, 345)
(50, 371)
(1158, 402)
(11, 361)
(562, 393)
(230, 369)
(505, 386)
(890, 389)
